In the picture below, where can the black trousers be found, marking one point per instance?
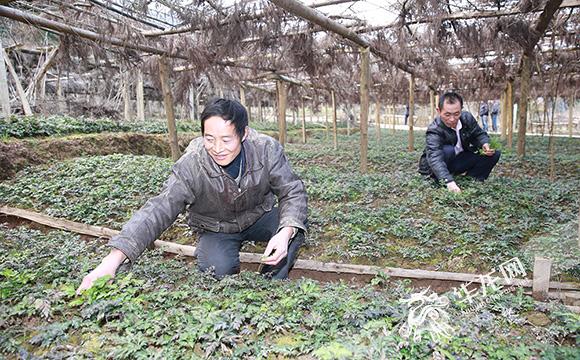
(219, 253)
(476, 166)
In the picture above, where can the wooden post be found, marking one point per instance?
(243, 96)
(571, 115)
(19, 88)
(326, 124)
(364, 108)
(510, 113)
(303, 122)
(334, 130)
(523, 104)
(378, 119)
(411, 111)
(59, 96)
(125, 84)
(282, 92)
(393, 108)
(260, 115)
(139, 94)
(4, 94)
(432, 102)
(502, 114)
(168, 101)
(541, 282)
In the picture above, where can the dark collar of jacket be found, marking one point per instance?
(252, 160)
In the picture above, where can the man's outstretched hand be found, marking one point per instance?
(452, 186)
(108, 266)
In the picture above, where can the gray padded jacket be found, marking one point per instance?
(213, 199)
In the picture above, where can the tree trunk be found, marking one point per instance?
(127, 112)
(327, 125)
(4, 94)
(59, 96)
(432, 102)
(334, 130)
(282, 93)
(411, 112)
(502, 115)
(168, 101)
(140, 96)
(243, 96)
(393, 108)
(364, 109)
(571, 104)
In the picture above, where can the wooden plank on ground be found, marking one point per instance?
(188, 250)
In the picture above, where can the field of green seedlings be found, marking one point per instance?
(164, 308)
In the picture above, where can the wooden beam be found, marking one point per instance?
(365, 80)
(169, 111)
(300, 10)
(188, 250)
(541, 281)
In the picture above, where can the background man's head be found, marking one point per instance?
(449, 108)
(229, 110)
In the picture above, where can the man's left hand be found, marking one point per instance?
(487, 150)
(279, 245)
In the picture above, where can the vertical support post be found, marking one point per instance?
(59, 95)
(364, 108)
(541, 281)
(334, 130)
(4, 94)
(326, 124)
(243, 96)
(282, 91)
(125, 85)
(523, 104)
(168, 102)
(378, 119)
(260, 115)
(510, 113)
(411, 112)
(502, 114)
(394, 119)
(19, 89)
(140, 95)
(303, 122)
(432, 103)
(571, 115)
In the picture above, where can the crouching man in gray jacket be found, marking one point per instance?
(228, 180)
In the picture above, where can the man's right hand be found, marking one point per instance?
(108, 266)
(452, 186)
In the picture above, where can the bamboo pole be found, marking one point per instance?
(411, 112)
(523, 104)
(378, 119)
(510, 113)
(303, 122)
(4, 93)
(19, 89)
(140, 95)
(187, 250)
(282, 93)
(364, 108)
(169, 111)
(334, 130)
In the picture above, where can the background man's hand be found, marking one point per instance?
(487, 150)
(452, 186)
(279, 245)
(108, 266)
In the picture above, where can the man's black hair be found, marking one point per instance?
(229, 110)
(451, 97)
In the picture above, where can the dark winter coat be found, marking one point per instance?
(438, 135)
(212, 198)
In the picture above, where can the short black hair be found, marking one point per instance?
(451, 97)
(229, 110)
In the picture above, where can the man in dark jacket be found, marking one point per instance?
(228, 181)
(453, 141)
